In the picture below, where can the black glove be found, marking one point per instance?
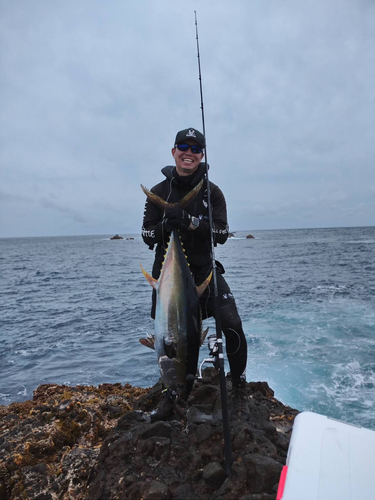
(176, 217)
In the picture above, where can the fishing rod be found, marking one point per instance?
(216, 346)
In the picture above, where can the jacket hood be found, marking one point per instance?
(170, 172)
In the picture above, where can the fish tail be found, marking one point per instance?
(165, 204)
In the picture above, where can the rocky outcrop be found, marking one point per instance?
(117, 237)
(98, 444)
(249, 237)
(49, 445)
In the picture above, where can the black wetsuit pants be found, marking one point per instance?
(231, 324)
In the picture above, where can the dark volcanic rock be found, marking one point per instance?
(213, 474)
(184, 458)
(156, 491)
(88, 443)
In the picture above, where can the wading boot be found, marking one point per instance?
(240, 410)
(163, 410)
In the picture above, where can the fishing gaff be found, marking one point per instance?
(219, 352)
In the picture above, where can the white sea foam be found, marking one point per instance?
(305, 298)
(22, 352)
(366, 242)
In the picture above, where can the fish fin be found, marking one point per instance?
(204, 335)
(164, 204)
(202, 287)
(170, 348)
(149, 342)
(153, 282)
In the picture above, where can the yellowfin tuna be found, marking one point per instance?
(178, 320)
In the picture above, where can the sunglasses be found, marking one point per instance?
(195, 149)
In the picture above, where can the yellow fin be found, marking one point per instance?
(202, 287)
(153, 282)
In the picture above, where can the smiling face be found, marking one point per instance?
(186, 161)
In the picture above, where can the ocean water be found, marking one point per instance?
(73, 308)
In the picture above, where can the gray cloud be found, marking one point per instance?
(64, 210)
(92, 94)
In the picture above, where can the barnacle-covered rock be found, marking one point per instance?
(4, 482)
(97, 443)
(49, 445)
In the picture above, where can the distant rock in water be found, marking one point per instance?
(249, 236)
(231, 235)
(98, 443)
(117, 237)
(130, 238)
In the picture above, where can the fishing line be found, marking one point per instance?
(164, 211)
(220, 355)
(239, 342)
(170, 189)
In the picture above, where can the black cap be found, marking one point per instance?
(190, 133)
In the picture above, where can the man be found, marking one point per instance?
(194, 229)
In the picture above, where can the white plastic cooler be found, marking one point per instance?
(328, 460)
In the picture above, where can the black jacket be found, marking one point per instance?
(197, 243)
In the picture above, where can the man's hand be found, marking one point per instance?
(176, 217)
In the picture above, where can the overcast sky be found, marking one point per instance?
(92, 94)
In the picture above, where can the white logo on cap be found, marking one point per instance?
(191, 133)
